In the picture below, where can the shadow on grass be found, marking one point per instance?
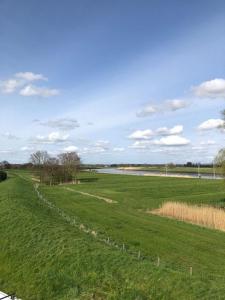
(88, 179)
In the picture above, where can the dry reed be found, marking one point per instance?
(201, 215)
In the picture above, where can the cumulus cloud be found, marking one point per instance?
(166, 106)
(211, 124)
(175, 104)
(148, 110)
(9, 86)
(61, 123)
(70, 149)
(211, 89)
(173, 140)
(141, 134)
(100, 146)
(178, 129)
(30, 76)
(20, 83)
(52, 138)
(141, 145)
(32, 90)
(148, 133)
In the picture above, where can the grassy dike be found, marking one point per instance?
(42, 256)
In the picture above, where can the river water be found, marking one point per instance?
(155, 173)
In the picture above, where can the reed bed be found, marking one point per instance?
(201, 215)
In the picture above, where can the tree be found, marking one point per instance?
(219, 161)
(51, 171)
(39, 159)
(70, 162)
(5, 165)
(55, 170)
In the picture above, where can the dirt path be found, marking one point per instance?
(91, 195)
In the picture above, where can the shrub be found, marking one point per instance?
(3, 176)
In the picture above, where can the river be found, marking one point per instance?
(155, 173)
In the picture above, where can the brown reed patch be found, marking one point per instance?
(201, 215)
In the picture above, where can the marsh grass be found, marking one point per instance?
(201, 215)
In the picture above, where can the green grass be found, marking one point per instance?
(43, 256)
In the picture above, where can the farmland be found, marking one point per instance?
(84, 247)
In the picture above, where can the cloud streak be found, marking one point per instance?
(166, 106)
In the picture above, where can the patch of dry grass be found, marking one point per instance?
(200, 215)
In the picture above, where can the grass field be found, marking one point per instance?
(132, 255)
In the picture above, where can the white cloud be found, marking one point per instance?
(100, 146)
(211, 89)
(148, 133)
(211, 124)
(175, 104)
(26, 148)
(22, 80)
(101, 143)
(9, 86)
(148, 110)
(61, 123)
(29, 76)
(52, 138)
(31, 90)
(70, 149)
(141, 145)
(178, 129)
(166, 106)
(141, 134)
(18, 80)
(172, 140)
(208, 143)
(118, 149)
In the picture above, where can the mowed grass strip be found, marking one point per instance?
(201, 215)
(91, 195)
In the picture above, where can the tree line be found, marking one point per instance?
(56, 170)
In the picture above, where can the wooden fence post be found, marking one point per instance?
(158, 261)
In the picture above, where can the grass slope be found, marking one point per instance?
(43, 257)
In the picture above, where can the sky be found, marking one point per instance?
(117, 81)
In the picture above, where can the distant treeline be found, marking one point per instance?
(7, 165)
(188, 164)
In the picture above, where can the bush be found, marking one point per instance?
(3, 176)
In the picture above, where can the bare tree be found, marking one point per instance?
(39, 159)
(219, 161)
(70, 162)
(55, 170)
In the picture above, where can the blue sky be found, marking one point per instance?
(117, 81)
